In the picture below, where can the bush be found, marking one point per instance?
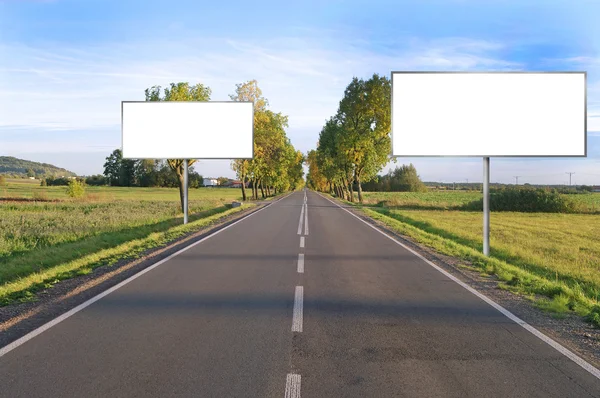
(76, 188)
(96, 180)
(57, 181)
(43, 183)
(2, 181)
(526, 200)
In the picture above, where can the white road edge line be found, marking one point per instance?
(300, 221)
(306, 219)
(8, 348)
(302, 241)
(554, 344)
(300, 263)
(292, 386)
(298, 303)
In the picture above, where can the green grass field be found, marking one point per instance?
(43, 237)
(555, 258)
(448, 200)
(31, 189)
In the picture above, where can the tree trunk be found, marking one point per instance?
(255, 189)
(180, 178)
(262, 191)
(357, 177)
(360, 198)
(350, 185)
(244, 188)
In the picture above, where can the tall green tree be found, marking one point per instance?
(179, 92)
(365, 117)
(112, 168)
(245, 168)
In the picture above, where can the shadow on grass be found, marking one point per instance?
(24, 263)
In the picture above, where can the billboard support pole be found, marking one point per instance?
(185, 191)
(486, 206)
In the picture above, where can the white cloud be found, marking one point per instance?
(82, 88)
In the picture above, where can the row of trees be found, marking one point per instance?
(141, 173)
(355, 143)
(401, 179)
(277, 165)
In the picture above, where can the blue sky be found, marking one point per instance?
(67, 65)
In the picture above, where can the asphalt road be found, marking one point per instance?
(271, 307)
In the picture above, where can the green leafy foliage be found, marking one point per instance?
(20, 168)
(355, 143)
(527, 200)
(277, 165)
(401, 179)
(76, 188)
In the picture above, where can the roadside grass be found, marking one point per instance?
(107, 250)
(552, 259)
(37, 226)
(560, 265)
(454, 200)
(45, 236)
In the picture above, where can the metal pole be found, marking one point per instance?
(486, 206)
(185, 191)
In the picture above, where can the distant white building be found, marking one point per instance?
(210, 182)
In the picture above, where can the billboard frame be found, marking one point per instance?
(487, 73)
(172, 102)
(186, 160)
(486, 158)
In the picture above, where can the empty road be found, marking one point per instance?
(299, 299)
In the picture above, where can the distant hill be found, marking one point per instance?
(13, 167)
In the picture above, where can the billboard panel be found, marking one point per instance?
(489, 114)
(187, 130)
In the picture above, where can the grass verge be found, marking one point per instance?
(24, 289)
(555, 296)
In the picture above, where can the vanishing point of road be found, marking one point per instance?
(301, 298)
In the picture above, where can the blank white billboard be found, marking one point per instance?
(489, 114)
(187, 130)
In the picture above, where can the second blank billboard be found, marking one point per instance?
(488, 114)
(187, 130)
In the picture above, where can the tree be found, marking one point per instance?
(120, 172)
(112, 168)
(146, 173)
(179, 92)
(365, 118)
(76, 188)
(222, 180)
(248, 91)
(276, 166)
(30, 173)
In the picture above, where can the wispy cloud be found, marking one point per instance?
(82, 88)
(67, 98)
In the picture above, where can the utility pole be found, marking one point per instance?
(570, 174)
(517, 179)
